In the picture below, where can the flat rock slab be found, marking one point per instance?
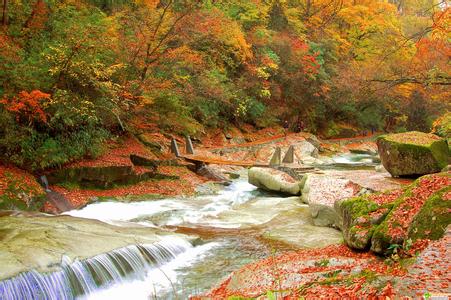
(321, 192)
(370, 179)
(39, 242)
(296, 229)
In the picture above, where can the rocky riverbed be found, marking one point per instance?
(276, 228)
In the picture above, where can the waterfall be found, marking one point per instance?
(83, 277)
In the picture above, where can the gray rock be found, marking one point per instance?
(273, 180)
(321, 192)
(380, 168)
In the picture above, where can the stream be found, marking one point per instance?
(231, 224)
(225, 228)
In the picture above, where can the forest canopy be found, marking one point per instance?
(74, 72)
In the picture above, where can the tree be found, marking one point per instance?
(27, 107)
(5, 13)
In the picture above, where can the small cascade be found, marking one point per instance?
(79, 278)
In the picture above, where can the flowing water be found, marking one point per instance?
(218, 218)
(232, 227)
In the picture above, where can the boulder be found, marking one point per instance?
(305, 149)
(421, 212)
(273, 180)
(381, 220)
(19, 190)
(320, 192)
(149, 141)
(358, 217)
(211, 173)
(413, 153)
(312, 139)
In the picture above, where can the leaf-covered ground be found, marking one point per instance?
(117, 153)
(336, 272)
(183, 186)
(18, 185)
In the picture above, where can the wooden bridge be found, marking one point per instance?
(286, 164)
(207, 161)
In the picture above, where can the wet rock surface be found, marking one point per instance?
(39, 242)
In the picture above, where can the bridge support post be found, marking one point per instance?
(289, 156)
(189, 145)
(276, 157)
(175, 148)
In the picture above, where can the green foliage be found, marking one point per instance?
(38, 148)
(442, 126)
(20, 196)
(371, 117)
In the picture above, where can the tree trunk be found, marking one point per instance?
(308, 6)
(5, 13)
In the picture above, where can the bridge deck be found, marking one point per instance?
(208, 160)
(284, 167)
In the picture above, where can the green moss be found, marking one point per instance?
(413, 153)
(432, 220)
(358, 225)
(359, 206)
(440, 151)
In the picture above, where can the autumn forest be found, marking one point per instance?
(78, 71)
(225, 149)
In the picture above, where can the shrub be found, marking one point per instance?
(39, 150)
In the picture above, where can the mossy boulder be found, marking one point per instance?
(421, 212)
(379, 221)
(413, 153)
(358, 217)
